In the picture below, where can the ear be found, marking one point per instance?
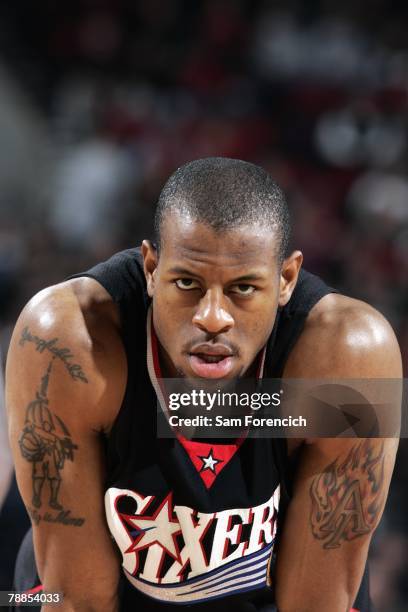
(150, 261)
(289, 275)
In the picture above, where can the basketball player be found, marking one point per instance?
(196, 522)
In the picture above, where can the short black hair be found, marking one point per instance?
(225, 194)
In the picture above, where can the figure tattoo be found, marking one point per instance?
(47, 444)
(348, 496)
(64, 354)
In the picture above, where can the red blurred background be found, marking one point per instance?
(101, 100)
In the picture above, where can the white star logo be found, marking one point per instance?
(209, 462)
(159, 529)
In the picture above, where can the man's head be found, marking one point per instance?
(220, 269)
(226, 194)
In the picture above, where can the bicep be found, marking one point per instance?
(341, 484)
(338, 498)
(53, 392)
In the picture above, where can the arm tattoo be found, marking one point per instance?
(348, 496)
(64, 354)
(46, 443)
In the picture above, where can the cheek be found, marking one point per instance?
(259, 326)
(258, 332)
(162, 301)
(167, 318)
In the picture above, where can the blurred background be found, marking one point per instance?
(100, 101)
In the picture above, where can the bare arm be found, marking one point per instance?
(65, 379)
(341, 485)
(6, 466)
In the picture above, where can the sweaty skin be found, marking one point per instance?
(215, 297)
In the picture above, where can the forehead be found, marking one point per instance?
(186, 239)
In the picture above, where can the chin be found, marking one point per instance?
(192, 381)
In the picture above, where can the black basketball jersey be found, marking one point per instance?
(196, 521)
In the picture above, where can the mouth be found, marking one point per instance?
(207, 365)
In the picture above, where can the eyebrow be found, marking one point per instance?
(245, 277)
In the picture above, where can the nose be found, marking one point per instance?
(211, 315)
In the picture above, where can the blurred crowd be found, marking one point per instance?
(100, 101)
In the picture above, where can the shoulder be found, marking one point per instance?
(344, 337)
(74, 325)
(77, 299)
(80, 310)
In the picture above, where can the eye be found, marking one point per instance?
(243, 289)
(187, 283)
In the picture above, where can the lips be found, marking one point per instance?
(206, 369)
(211, 361)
